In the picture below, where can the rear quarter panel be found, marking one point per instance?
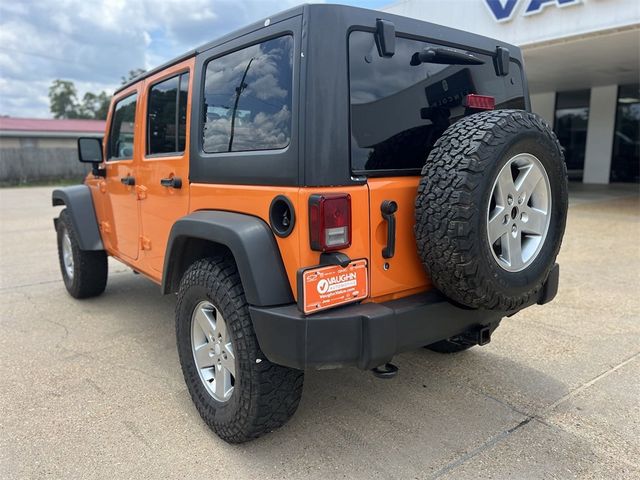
(294, 249)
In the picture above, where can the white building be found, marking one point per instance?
(582, 60)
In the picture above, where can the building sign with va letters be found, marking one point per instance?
(504, 10)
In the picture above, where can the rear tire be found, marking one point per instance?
(256, 396)
(84, 272)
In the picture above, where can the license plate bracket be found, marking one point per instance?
(326, 286)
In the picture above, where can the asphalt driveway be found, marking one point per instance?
(93, 389)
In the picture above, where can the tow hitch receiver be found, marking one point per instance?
(477, 336)
(484, 335)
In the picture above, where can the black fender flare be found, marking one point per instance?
(79, 203)
(252, 244)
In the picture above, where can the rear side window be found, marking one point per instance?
(398, 111)
(247, 97)
(122, 127)
(167, 116)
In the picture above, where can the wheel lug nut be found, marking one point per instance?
(510, 200)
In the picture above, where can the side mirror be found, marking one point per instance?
(90, 150)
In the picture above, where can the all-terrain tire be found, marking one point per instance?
(86, 276)
(265, 395)
(453, 199)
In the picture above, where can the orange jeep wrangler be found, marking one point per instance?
(328, 187)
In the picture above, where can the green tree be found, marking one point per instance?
(94, 106)
(102, 109)
(63, 99)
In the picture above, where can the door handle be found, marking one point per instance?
(130, 181)
(173, 182)
(388, 209)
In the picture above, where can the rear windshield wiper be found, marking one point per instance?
(444, 56)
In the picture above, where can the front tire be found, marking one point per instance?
(84, 272)
(238, 392)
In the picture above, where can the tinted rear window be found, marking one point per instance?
(398, 111)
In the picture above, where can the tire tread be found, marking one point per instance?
(273, 392)
(90, 270)
(447, 206)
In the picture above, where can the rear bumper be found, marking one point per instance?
(370, 334)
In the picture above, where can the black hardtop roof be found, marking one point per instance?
(307, 9)
(292, 12)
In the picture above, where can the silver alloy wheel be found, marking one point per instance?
(213, 351)
(519, 212)
(67, 254)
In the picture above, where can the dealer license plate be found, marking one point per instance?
(330, 286)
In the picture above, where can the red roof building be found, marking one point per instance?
(37, 149)
(41, 127)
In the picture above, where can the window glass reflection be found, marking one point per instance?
(571, 119)
(398, 111)
(625, 164)
(122, 129)
(248, 98)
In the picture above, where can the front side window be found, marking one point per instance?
(167, 116)
(247, 97)
(122, 129)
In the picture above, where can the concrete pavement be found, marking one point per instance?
(93, 389)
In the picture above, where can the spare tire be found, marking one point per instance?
(491, 209)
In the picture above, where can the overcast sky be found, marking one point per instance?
(95, 42)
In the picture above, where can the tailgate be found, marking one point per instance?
(403, 273)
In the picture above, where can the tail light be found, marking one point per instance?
(479, 102)
(330, 221)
